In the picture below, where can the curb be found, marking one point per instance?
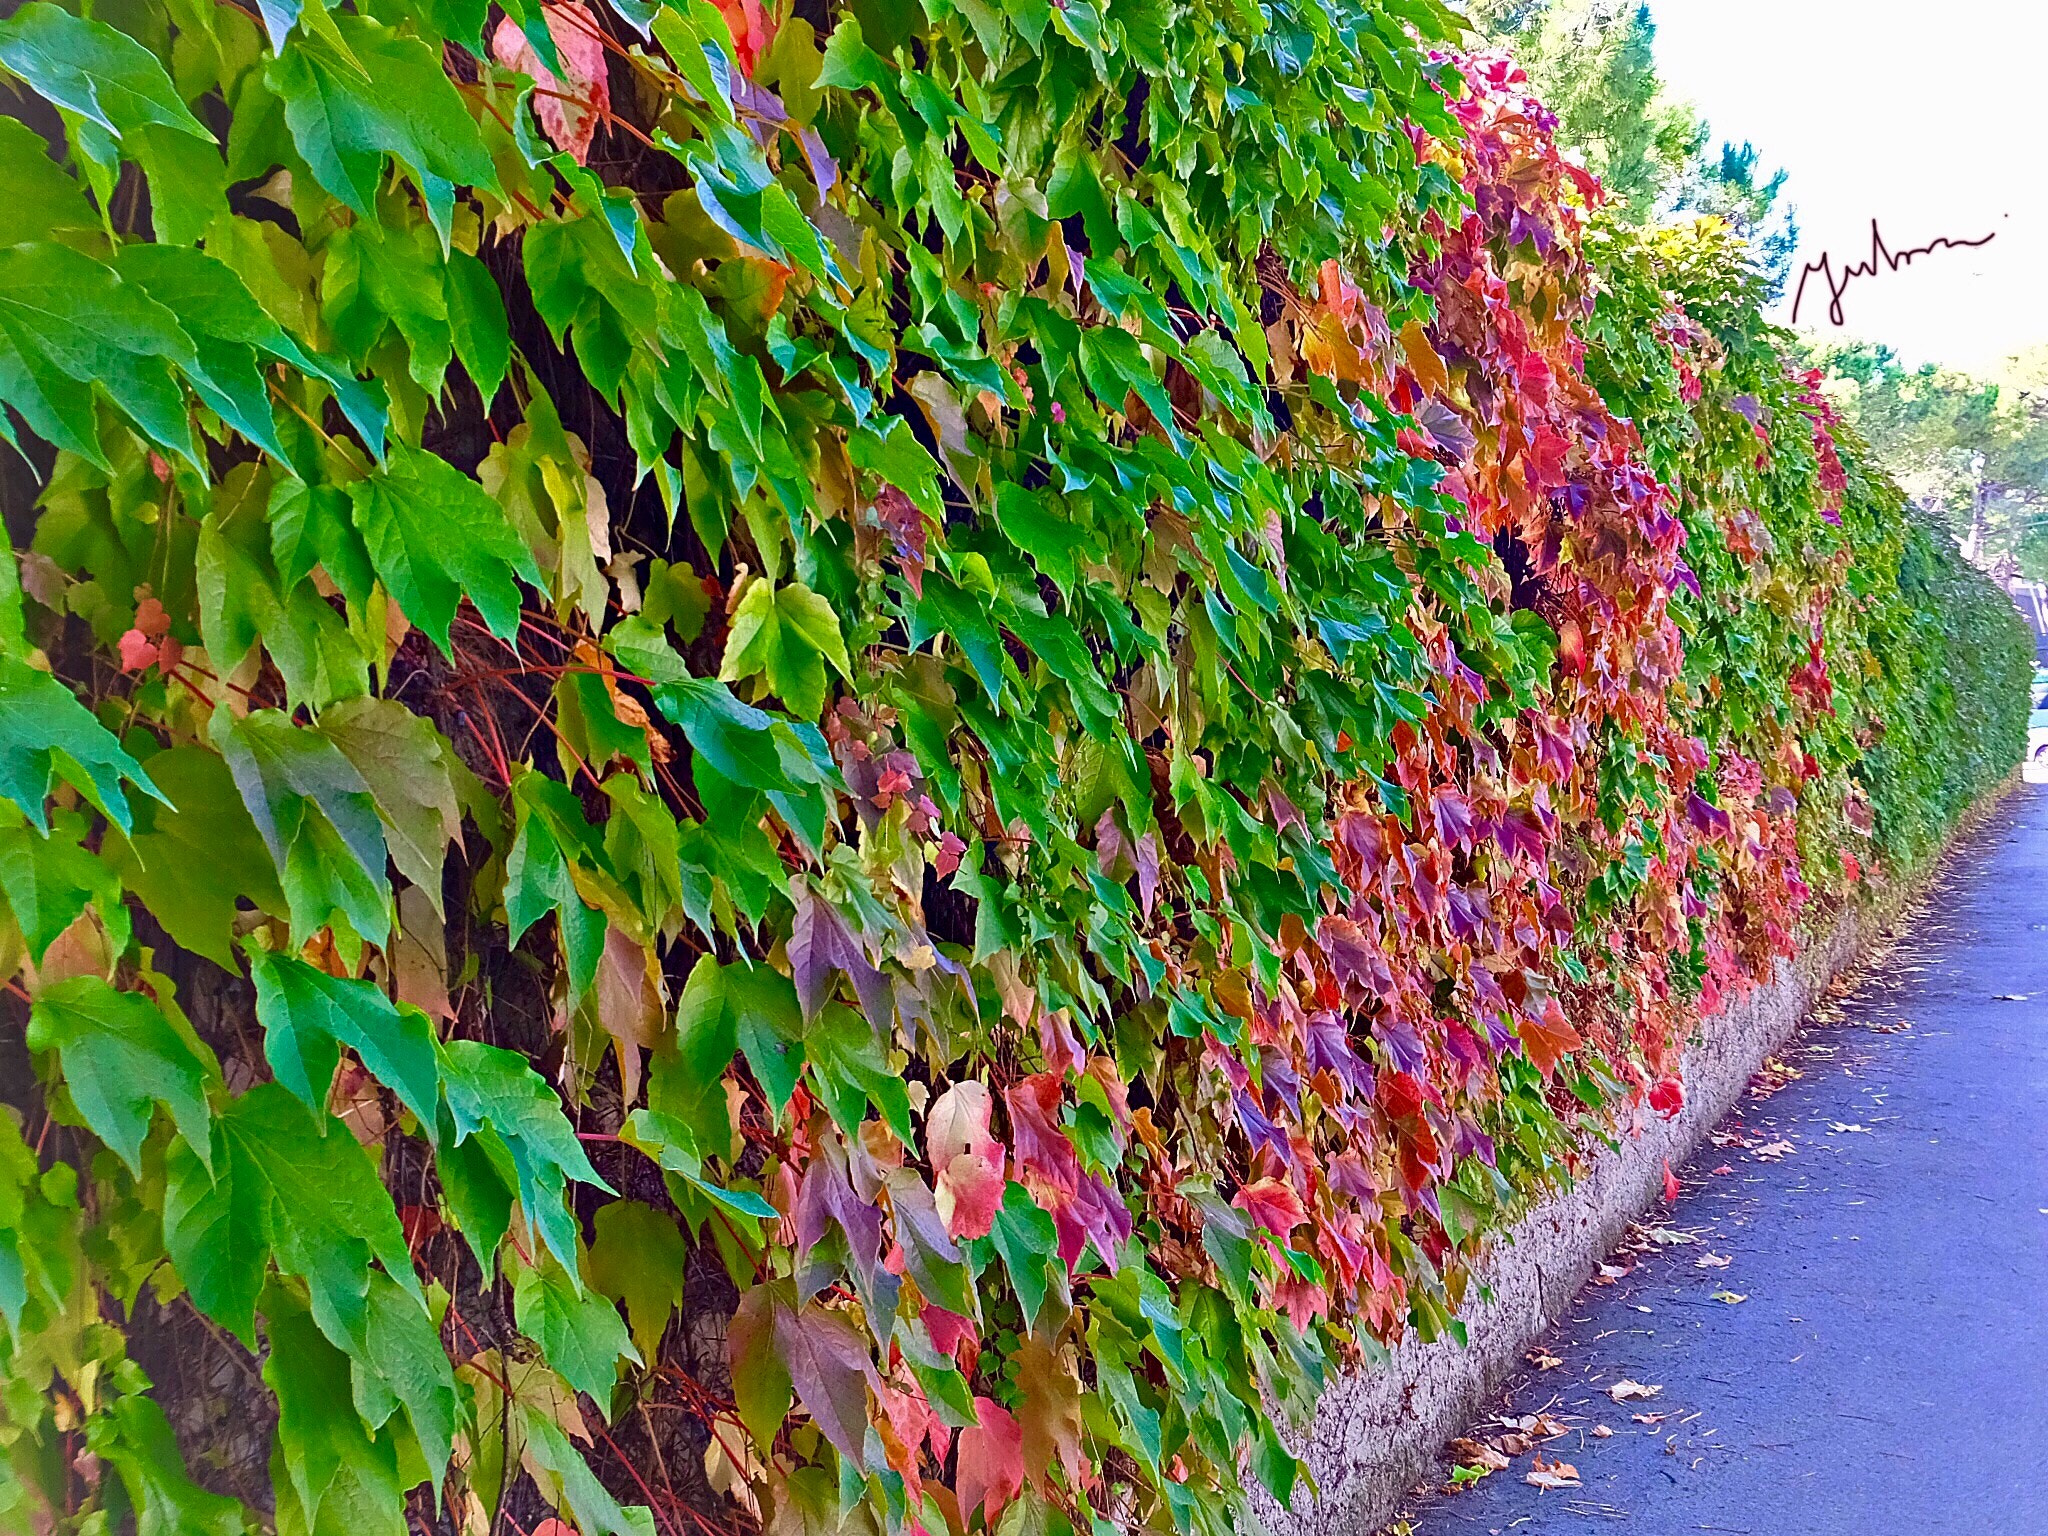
(1378, 1432)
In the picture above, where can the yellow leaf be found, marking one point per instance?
(1428, 368)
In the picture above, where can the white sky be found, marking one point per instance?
(1928, 117)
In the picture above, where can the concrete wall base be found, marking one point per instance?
(1379, 1432)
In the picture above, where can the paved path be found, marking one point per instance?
(1887, 1372)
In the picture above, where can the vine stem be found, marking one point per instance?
(667, 1518)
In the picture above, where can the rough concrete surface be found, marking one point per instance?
(1379, 1432)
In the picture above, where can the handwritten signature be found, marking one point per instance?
(1838, 283)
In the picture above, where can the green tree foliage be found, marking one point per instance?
(1593, 62)
(1727, 187)
(1973, 452)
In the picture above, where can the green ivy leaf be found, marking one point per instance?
(690, 1068)
(65, 317)
(701, 53)
(896, 455)
(476, 316)
(1025, 1236)
(639, 1260)
(310, 525)
(435, 538)
(487, 1087)
(120, 1057)
(1051, 541)
(134, 1438)
(401, 1363)
(231, 335)
(354, 91)
(46, 734)
(326, 1451)
(375, 280)
(325, 1214)
(195, 865)
(579, 1331)
(410, 770)
(769, 1023)
(48, 880)
(595, 1511)
(539, 878)
(787, 635)
(242, 603)
(591, 733)
(673, 1142)
(317, 818)
(216, 1233)
(308, 1015)
(87, 67)
(188, 183)
(478, 1181)
(735, 738)
(41, 198)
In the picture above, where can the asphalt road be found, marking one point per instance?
(1885, 1370)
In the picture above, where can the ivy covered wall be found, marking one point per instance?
(865, 766)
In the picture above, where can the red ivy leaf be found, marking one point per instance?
(901, 519)
(1400, 1095)
(829, 1367)
(1043, 1150)
(1549, 1037)
(969, 1160)
(569, 112)
(136, 651)
(1273, 1204)
(1668, 1097)
(991, 1461)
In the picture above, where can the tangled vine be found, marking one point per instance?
(862, 766)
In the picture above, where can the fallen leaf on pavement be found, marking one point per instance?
(1772, 1151)
(1671, 1189)
(1730, 1298)
(1629, 1391)
(1527, 1429)
(1772, 1076)
(1668, 1237)
(1555, 1474)
(1649, 1418)
(1477, 1453)
(1713, 1261)
(1602, 1432)
(1608, 1274)
(1543, 1361)
(1836, 1125)
(1724, 1169)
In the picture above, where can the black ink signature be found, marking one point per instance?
(1838, 285)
